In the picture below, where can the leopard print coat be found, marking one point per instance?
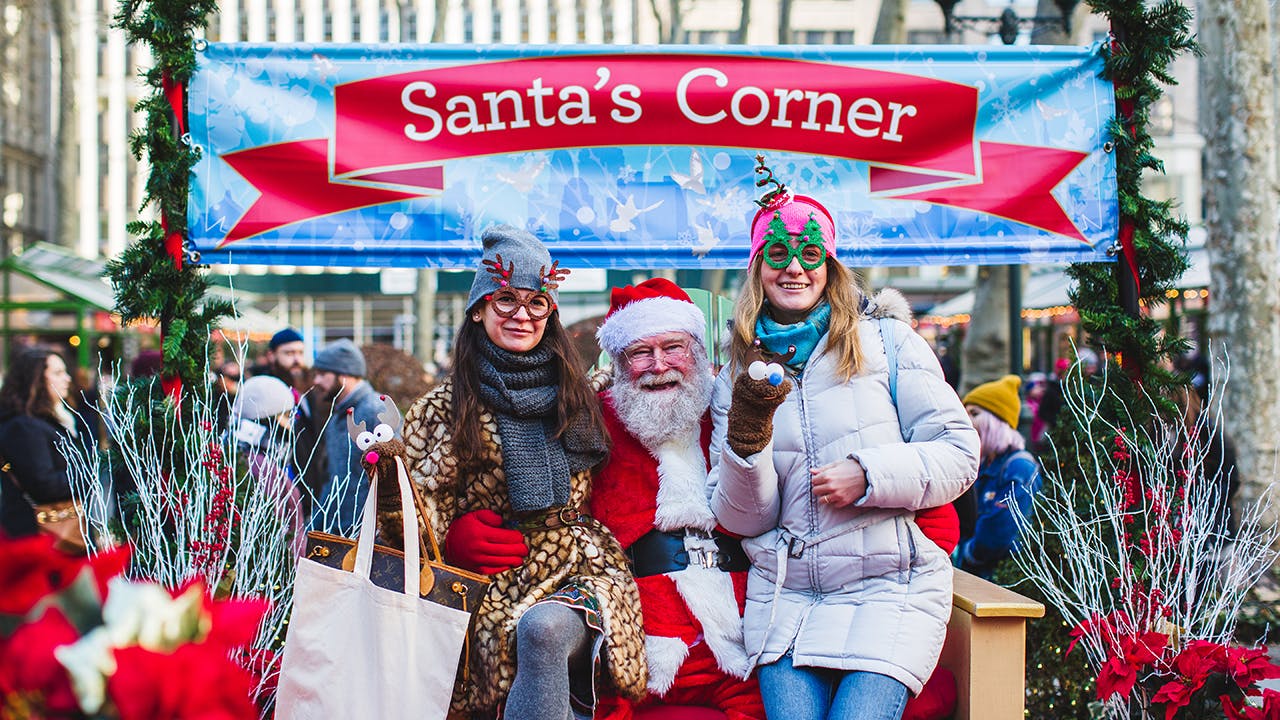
(586, 553)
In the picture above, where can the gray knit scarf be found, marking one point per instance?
(520, 389)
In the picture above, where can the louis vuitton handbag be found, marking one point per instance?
(61, 520)
(376, 632)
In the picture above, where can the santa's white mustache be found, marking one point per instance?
(665, 378)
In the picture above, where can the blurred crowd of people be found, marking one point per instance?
(279, 401)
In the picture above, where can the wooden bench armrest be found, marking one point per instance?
(986, 648)
(981, 598)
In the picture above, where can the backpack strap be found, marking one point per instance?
(891, 355)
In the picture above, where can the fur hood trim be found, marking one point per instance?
(889, 303)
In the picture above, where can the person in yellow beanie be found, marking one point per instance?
(1008, 474)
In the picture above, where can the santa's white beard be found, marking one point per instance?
(655, 417)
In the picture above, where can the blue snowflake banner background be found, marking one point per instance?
(638, 206)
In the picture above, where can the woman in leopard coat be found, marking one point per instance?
(504, 449)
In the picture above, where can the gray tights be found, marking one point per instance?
(551, 642)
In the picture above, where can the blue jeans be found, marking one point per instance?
(811, 693)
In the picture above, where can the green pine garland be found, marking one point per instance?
(1139, 67)
(147, 284)
(1058, 685)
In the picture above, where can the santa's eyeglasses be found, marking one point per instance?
(645, 357)
(508, 301)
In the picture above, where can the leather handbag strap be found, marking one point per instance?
(423, 519)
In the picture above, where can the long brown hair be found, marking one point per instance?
(25, 391)
(843, 292)
(573, 392)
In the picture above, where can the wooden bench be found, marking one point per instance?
(987, 632)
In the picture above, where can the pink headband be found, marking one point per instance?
(795, 211)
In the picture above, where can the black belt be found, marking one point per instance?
(658, 552)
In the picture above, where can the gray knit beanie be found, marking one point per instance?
(526, 264)
(262, 396)
(341, 357)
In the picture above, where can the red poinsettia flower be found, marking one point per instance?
(194, 682)
(1143, 650)
(1247, 666)
(31, 568)
(1200, 658)
(1101, 625)
(1176, 694)
(1120, 672)
(29, 668)
(1270, 709)
(1116, 676)
(234, 622)
(263, 665)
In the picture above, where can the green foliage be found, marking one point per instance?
(1149, 38)
(147, 282)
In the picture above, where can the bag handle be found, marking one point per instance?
(409, 519)
(422, 517)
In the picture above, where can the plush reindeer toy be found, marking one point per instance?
(381, 450)
(383, 458)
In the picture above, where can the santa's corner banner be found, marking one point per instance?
(644, 157)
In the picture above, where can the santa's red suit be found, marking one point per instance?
(692, 616)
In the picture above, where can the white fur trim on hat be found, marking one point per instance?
(647, 317)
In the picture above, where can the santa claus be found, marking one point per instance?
(652, 494)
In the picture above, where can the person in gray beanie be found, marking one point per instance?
(261, 421)
(339, 381)
(503, 449)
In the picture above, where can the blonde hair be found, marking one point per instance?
(843, 292)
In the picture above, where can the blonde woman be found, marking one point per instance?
(847, 602)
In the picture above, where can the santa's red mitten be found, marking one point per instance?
(941, 525)
(478, 542)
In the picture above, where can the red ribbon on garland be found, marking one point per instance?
(175, 93)
(1125, 106)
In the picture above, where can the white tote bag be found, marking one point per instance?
(358, 651)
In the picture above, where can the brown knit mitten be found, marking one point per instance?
(751, 413)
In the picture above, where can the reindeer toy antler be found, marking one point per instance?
(382, 447)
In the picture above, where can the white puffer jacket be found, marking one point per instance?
(863, 588)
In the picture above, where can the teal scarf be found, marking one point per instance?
(804, 335)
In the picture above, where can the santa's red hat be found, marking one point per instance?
(651, 308)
